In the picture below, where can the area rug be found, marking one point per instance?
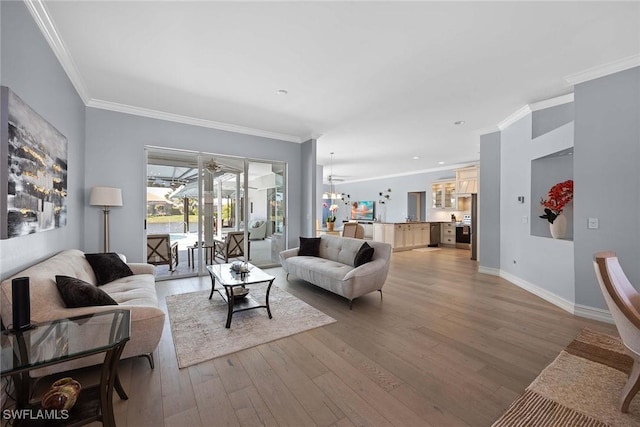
(581, 387)
(197, 323)
(426, 249)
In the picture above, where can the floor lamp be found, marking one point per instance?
(106, 197)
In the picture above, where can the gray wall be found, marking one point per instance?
(606, 160)
(308, 198)
(31, 70)
(539, 261)
(489, 202)
(548, 119)
(115, 157)
(605, 135)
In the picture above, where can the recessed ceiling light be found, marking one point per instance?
(458, 122)
(441, 163)
(282, 92)
(415, 157)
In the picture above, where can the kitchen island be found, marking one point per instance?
(403, 236)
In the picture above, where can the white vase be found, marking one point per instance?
(558, 228)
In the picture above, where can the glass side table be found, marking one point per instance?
(59, 341)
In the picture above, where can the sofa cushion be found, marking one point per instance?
(318, 270)
(108, 267)
(339, 249)
(78, 293)
(364, 255)
(309, 246)
(136, 290)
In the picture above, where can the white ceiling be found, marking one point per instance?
(377, 82)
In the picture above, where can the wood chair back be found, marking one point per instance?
(353, 229)
(623, 301)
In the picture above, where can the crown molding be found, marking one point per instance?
(161, 115)
(548, 103)
(522, 112)
(604, 70)
(440, 168)
(40, 14)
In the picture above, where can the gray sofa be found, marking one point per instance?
(334, 268)
(136, 293)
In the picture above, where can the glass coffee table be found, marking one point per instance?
(58, 341)
(234, 290)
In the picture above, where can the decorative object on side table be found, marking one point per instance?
(62, 394)
(240, 267)
(559, 196)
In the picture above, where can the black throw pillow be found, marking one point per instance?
(108, 267)
(78, 293)
(364, 255)
(309, 246)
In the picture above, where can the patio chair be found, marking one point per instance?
(231, 247)
(258, 230)
(160, 250)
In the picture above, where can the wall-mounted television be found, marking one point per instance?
(362, 210)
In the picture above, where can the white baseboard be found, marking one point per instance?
(569, 306)
(541, 292)
(594, 313)
(489, 270)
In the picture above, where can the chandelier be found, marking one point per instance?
(331, 194)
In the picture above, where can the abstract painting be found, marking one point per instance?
(33, 170)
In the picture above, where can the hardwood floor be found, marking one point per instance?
(446, 346)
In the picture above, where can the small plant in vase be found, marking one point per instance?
(558, 197)
(331, 218)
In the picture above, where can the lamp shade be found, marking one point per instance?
(105, 196)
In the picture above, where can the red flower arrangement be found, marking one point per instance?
(558, 197)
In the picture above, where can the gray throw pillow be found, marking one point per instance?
(78, 293)
(108, 267)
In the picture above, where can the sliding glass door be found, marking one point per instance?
(266, 211)
(198, 199)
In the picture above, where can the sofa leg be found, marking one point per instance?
(380, 290)
(350, 304)
(149, 357)
(287, 276)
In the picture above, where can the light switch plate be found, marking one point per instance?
(593, 223)
(525, 219)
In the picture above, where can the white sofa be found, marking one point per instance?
(334, 268)
(136, 293)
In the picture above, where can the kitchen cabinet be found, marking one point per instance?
(443, 194)
(448, 230)
(383, 232)
(467, 180)
(403, 236)
(423, 234)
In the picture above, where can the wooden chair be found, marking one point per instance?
(353, 229)
(623, 301)
(231, 247)
(160, 250)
